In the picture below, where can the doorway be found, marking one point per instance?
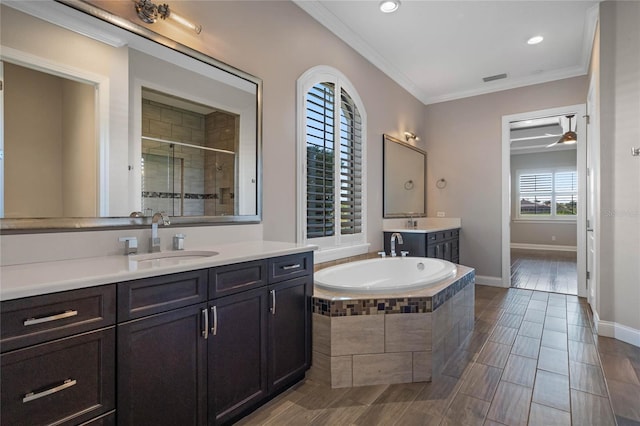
(543, 214)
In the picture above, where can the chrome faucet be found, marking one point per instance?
(155, 240)
(395, 236)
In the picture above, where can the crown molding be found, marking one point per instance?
(321, 14)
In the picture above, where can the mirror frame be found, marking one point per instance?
(67, 224)
(389, 139)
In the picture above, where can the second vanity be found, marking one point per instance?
(193, 340)
(431, 237)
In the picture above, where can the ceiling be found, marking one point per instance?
(441, 50)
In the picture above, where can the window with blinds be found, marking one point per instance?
(334, 163)
(320, 107)
(350, 166)
(547, 194)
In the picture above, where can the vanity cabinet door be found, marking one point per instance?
(237, 354)
(162, 374)
(289, 331)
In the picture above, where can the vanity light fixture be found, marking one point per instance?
(149, 13)
(411, 135)
(535, 39)
(389, 6)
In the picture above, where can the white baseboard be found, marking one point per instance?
(596, 319)
(526, 246)
(617, 331)
(487, 280)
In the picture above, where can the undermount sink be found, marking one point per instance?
(171, 257)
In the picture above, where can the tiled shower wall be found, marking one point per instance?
(200, 182)
(221, 132)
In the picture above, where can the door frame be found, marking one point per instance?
(581, 158)
(593, 165)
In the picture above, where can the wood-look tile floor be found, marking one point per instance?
(531, 359)
(542, 270)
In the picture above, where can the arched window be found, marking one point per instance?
(331, 164)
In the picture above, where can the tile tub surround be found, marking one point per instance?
(360, 341)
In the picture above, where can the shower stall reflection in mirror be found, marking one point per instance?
(188, 159)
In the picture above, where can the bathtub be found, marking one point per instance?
(391, 320)
(384, 275)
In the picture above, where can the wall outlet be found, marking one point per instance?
(440, 214)
(553, 238)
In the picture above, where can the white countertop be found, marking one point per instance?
(424, 230)
(32, 279)
(424, 224)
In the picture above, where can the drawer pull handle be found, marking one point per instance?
(205, 320)
(214, 326)
(33, 396)
(273, 302)
(296, 266)
(63, 315)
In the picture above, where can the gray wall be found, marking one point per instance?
(618, 70)
(527, 232)
(277, 41)
(464, 142)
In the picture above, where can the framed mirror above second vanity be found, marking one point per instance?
(106, 123)
(404, 176)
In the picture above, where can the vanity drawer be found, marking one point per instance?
(231, 279)
(139, 298)
(38, 319)
(291, 266)
(67, 381)
(436, 237)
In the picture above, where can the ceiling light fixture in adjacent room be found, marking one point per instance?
(389, 6)
(535, 39)
(149, 13)
(570, 136)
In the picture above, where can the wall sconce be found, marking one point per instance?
(411, 135)
(149, 13)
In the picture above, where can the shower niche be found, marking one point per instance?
(188, 161)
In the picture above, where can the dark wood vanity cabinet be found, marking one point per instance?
(289, 331)
(162, 372)
(214, 360)
(193, 348)
(440, 244)
(58, 358)
(237, 354)
(260, 339)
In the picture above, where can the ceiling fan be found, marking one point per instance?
(568, 138)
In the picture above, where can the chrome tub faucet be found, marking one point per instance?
(396, 236)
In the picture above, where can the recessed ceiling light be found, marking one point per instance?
(535, 39)
(388, 6)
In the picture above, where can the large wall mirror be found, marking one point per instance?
(106, 123)
(404, 179)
